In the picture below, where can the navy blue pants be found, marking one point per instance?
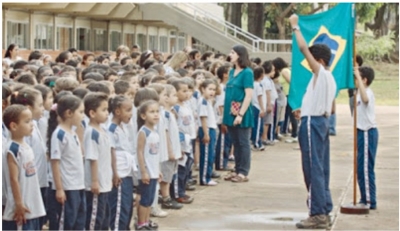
(121, 204)
(222, 150)
(314, 146)
(289, 119)
(367, 142)
(332, 124)
(97, 216)
(43, 191)
(258, 128)
(207, 156)
(71, 215)
(178, 185)
(32, 224)
(271, 135)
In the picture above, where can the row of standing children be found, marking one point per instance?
(96, 160)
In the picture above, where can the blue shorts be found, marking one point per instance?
(147, 192)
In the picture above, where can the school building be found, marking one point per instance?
(102, 27)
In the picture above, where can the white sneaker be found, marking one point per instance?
(212, 183)
(157, 212)
(292, 140)
(276, 141)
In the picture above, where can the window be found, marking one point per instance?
(64, 38)
(142, 41)
(172, 42)
(100, 40)
(163, 43)
(44, 37)
(153, 43)
(17, 33)
(181, 41)
(83, 39)
(130, 40)
(115, 40)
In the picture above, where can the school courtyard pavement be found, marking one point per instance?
(275, 196)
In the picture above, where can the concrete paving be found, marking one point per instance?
(275, 196)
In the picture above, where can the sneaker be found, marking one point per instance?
(153, 225)
(276, 141)
(157, 212)
(314, 222)
(264, 142)
(262, 148)
(185, 200)
(215, 175)
(190, 187)
(231, 158)
(280, 136)
(170, 204)
(269, 142)
(144, 227)
(212, 183)
(192, 181)
(292, 140)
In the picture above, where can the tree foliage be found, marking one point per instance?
(373, 48)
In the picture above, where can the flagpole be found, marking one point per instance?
(354, 125)
(354, 208)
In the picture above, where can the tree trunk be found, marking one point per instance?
(255, 22)
(236, 14)
(280, 22)
(378, 27)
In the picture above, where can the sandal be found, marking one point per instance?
(239, 179)
(230, 176)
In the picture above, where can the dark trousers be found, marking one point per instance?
(241, 143)
(97, 216)
(43, 191)
(178, 186)
(271, 135)
(121, 204)
(32, 224)
(314, 146)
(367, 142)
(258, 129)
(71, 215)
(289, 117)
(222, 150)
(207, 156)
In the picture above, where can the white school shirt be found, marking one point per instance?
(65, 147)
(119, 140)
(161, 129)
(193, 104)
(186, 126)
(43, 124)
(318, 99)
(97, 147)
(5, 139)
(173, 130)
(366, 112)
(151, 152)
(205, 108)
(258, 90)
(37, 143)
(27, 179)
(219, 101)
(269, 85)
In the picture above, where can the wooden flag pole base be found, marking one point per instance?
(357, 209)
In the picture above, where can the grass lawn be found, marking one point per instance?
(385, 85)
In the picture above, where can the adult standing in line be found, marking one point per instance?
(11, 54)
(314, 130)
(238, 116)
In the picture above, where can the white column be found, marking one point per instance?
(74, 33)
(5, 32)
(54, 33)
(31, 32)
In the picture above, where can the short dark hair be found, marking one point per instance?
(193, 53)
(6, 91)
(267, 65)
(44, 90)
(125, 60)
(359, 60)
(20, 64)
(367, 73)
(27, 79)
(94, 75)
(279, 64)
(72, 63)
(135, 54)
(62, 57)
(72, 50)
(258, 73)
(12, 114)
(224, 69)
(93, 100)
(35, 55)
(121, 87)
(321, 51)
(80, 92)
(98, 87)
(256, 60)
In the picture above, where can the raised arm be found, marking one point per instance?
(314, 65)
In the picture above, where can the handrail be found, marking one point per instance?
(252, 39)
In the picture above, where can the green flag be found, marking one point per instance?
(334, 28)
